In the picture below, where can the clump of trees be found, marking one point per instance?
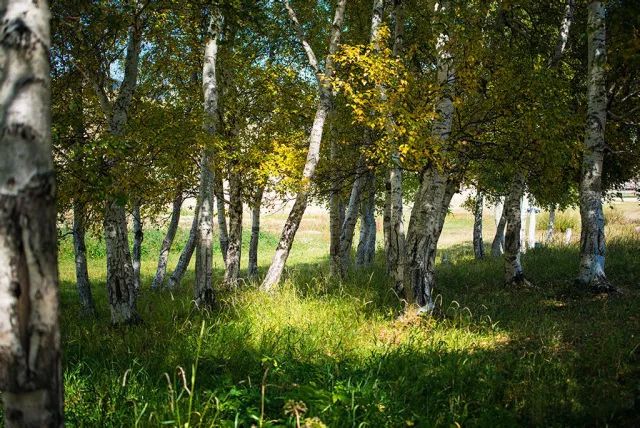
(366, 105)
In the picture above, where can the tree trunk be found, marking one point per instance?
(551, 226)
(395, 241)
(218, 189)
(497, 246)
(80, 250)
(425, 226)
(524, 209)
(187, 252)
(255, 234)
(290, 228)
(532, 226)
(203, 287)
(478, 245)
(349, 224)
(120, 284)
(336, 210)
(138, 237)
(234, 252)
(167, 242)
(514, 275)
(30, 362)
(433, 197)
(592, 238)
(366, 251)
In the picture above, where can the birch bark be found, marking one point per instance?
(366, 251)
(592, 237)
(218, 190)
(514, 275)
(478, 245)
(30, 358)
(82, 272)
(187, 252)
(290, 228)
(497, 246)
(138, 237)
(551, 226)
(255, 234)
(167, 242)
(234, 252)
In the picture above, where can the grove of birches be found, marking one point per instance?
(140, 138)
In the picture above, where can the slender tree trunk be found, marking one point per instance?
(395, 241)
(478, 245)
(203, 287)
(234, 252)
(30, 362)
(167, 242)
(524, 209)
(551, 226)
(366, 251)
(138, 237)
(255, 234)
(218, 189)
(336, 208)
(349, 224)
(274, 274)
(532, 226)
(80, 250)
(514, 274)
(187, 252)
(592, 237)
(497, 246)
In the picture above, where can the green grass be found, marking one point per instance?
(337, 353)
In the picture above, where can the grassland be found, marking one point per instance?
(324, 352)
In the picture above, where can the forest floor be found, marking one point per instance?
(338, 353)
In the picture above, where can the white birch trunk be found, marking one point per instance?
(234, 252)
(432, 199)
(366, 251)
(497, 246)
(349, 224)
(532, 226)
(138, 237)
(395, 240)
(336, 220)
(524, 208)
(80, 252)
(255, 235)
(203, 286)
(290, 228)
(167, 242)
(30, 359)
(551, 226)
(592, 237)
(187, 252)
(218, 190)
(514, 274)
(478, 245)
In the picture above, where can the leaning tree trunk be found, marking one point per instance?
(592, 237)
(255, 234)
(82, 273)
(366, 251)
(138, 237)
(234, 252)
(551, 226)
(513, 272)
(167, 242)
(290, 228)
(349, 224)
(30, 362)
(497, 246)
(187, 252)
(478, 245)
(218, 189)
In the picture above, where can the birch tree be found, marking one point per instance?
(325, 94)
(592, 237)
(30, 372)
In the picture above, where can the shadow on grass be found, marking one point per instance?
(500, 357)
